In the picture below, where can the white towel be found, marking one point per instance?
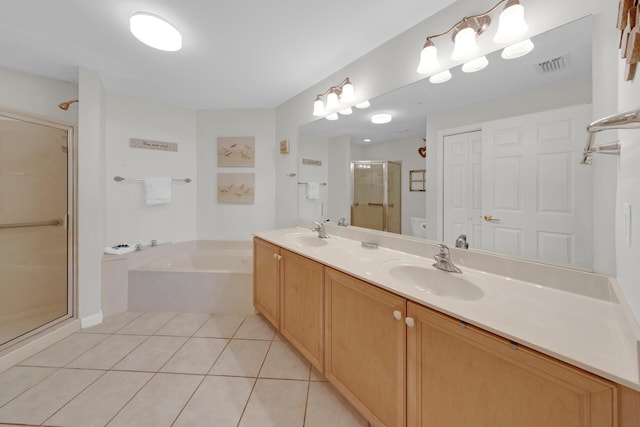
(313, 190)
(157, 190)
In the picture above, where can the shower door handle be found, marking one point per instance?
(53, 222)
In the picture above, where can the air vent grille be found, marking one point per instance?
(553, 65)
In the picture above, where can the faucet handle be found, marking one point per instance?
(444, 249)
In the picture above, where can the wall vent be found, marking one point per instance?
(553, 65)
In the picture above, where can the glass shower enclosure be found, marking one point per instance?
(35, 250)
(376, 195)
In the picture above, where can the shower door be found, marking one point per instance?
(376, 195)
(35, 270)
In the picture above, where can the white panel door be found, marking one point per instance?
(533, 186)
(463, 187)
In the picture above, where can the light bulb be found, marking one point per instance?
(363, 104)
(475, 65)
(346, 111)
(441, 77)
(465, 45)
(318, 107)
(155, 32)
(511, 24)
(348, 94)
(517, 50)
(332, 101)
(332, 116)
(429, 62)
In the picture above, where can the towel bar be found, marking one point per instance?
(120, 178)
(627, 120)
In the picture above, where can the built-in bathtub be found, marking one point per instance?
(198, 276)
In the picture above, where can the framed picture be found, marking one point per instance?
(417, 180)
(237, 151)
(284, 146)
(236, 188)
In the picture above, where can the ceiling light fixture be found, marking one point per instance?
(511, 28)
(340, 99)
(154, 31)
(381, 118)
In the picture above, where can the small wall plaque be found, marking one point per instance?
(284, 146)
(153, 145)
(312, 162)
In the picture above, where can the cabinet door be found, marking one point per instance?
(301, 306)
(459, 375)
(266, 289)
(365, 347)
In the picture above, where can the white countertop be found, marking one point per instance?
(592, 333)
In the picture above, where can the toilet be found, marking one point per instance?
(419, 227)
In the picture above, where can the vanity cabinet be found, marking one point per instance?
(266, 280)
(302, 305)
(288, 289)
(459, 375)
(365, 347)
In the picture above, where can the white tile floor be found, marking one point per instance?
(172, 369)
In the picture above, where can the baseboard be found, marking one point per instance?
(94, 319)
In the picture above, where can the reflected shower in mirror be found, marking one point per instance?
(555, 76)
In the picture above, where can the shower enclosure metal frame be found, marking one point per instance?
(70, 222)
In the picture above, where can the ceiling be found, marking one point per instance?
(236, 54)
(411, 105)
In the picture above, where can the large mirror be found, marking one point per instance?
(482, 178)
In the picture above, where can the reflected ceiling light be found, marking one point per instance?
(441, 77)
(154, 31)
(517, 50)
(340, 98)
(511, 27)
(363, 104)
(381, 118)
(366, 140)
(475, 65)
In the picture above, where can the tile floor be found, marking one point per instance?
(172, 369)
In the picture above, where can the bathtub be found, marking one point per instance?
(199, 276)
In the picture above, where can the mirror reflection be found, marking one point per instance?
(483, 178)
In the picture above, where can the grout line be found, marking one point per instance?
(132, 397)
(188, 400)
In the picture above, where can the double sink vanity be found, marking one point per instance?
(504, 343)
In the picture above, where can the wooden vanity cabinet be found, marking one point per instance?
(459, 375)
(365, 347)
(302, 306)
(266, 280)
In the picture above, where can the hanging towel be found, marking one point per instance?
(313, 190)
(157, 190)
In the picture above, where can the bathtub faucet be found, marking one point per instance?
(322, 233)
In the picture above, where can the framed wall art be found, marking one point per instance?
(237, 151)
(236, 188)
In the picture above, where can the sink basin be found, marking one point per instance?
(436, 282)
(307, 240)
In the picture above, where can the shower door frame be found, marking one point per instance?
(69, 221)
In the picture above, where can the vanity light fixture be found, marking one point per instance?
(441, 77)
(154, 31)
(511, 28)
(339, 99)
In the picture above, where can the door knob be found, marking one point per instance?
(490, 218)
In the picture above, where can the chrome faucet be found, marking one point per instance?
(461, 242)
(319, 228)
(443, 261)
(342, 222)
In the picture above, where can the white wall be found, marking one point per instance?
(222, 221)
(128, 218)
(405, 150)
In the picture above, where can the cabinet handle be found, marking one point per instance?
(409, 321)
(397, 314)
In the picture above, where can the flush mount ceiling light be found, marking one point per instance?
(511, 28)
(381, 118)
(154, 31)
(340, 99)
